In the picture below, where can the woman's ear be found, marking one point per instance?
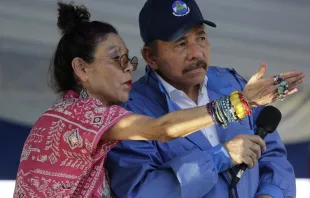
(79, 68)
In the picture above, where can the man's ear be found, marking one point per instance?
(79, 68)
(150, 57)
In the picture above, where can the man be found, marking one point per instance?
(199, 165)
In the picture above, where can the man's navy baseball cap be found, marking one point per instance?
(169, 20)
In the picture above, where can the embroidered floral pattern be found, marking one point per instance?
(63, 155)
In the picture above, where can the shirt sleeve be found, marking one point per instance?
(107, 119)
(95, 119)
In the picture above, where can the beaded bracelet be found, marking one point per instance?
(228, 109)
(211, 113)
(237, 104)
(245, 104)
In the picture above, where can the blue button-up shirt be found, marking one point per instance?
(191, 167)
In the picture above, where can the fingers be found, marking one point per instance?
(260, 73)
(253, 153)
(294, 82)
(255, 148)
(248, 161)
(292, 91)
(274, 97)
(262, 70)
(294, 79)
(258, 140)
(245, 149)
(271, 94)
(291, 74)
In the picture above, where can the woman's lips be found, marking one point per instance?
(129, 83)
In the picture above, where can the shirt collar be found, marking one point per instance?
(70, 94)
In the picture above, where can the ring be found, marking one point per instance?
(277, 79)
(282, 90)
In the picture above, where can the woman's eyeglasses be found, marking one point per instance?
(124, 60)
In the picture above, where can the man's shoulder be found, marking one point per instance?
(225, 73)
(221, 70)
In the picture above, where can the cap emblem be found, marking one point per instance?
(180, 8)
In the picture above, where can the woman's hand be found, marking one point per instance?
(261, 91)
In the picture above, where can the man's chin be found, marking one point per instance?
(196, 80)
(195, 72)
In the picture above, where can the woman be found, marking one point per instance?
(65, 152)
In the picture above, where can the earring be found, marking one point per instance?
(84, 94)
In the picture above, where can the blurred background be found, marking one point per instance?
(248, 32)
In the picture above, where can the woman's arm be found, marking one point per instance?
(184, 122)
(172, 125)
(180, 123)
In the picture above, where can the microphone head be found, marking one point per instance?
(269, 119)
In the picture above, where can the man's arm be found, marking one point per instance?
(136, 170)
(277, 177)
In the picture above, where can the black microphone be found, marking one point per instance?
(267, 122)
